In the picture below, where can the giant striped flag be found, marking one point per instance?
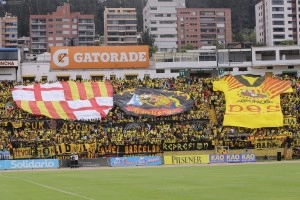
(66, 100)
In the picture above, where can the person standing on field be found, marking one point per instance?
(72, 159)
(76, 160)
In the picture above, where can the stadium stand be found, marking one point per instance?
(202, 124)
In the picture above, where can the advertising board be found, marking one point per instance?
(232, 158)
(29, 164)
(186, 159)
(99, 57)
(135, 161)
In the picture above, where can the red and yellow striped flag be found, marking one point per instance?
(66, 100)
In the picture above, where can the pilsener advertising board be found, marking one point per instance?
(99, 57)
(29, 164)
(186, 159)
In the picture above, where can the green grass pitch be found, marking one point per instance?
(276, 180)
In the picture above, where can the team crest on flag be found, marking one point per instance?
(153, 102)
(66, 100)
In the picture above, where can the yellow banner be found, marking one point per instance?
(28, 152)
(186, 159)
(46, 151)
(290, 121)
(24, 152)
(70, 148)
(267, 143)
(252, 97)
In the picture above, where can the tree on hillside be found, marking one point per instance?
(146, 38)
(218, 44)
(245, 35)
(287, 42)
(187, 47)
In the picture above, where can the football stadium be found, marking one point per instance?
(108, 122)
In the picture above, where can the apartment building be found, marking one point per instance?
(160, 17)
(120, 26)
(8, 31)
(277, 21)
(61, 28)
(203, 26)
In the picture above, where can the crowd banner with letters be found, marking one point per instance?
(36, 124)
(66, 126)
(46, 151)
(146, 149)
(232, 158)
(186, 146)
(135, 161)
(141, 149)
(30, 124)
(153, 102)
(267, 143)
(17, 124)
(290, 121)
(66, 100)
(107, 150)
(186, 159)
(296, 142)
(24, 152)
(31, 152)
(29, 164)
(71, 148)
(252, 96)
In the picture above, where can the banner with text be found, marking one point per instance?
(232, 158)
(123, 150)
(186, 159)
(135, 161)
(252, 96)
(99, 57)
(29, 164)
(187, 146)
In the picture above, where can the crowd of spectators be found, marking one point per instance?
(195, 125)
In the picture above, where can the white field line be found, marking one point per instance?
(50, 188)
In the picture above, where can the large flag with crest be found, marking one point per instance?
(153, 102)
(66, 100)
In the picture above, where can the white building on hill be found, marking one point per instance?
(160, 17)
(276, 21)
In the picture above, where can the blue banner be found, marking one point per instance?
(232, 158)
(218, 158)
(248, 157)
(2, 165)
(135, 161)
(4, 155)
(29, 164)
